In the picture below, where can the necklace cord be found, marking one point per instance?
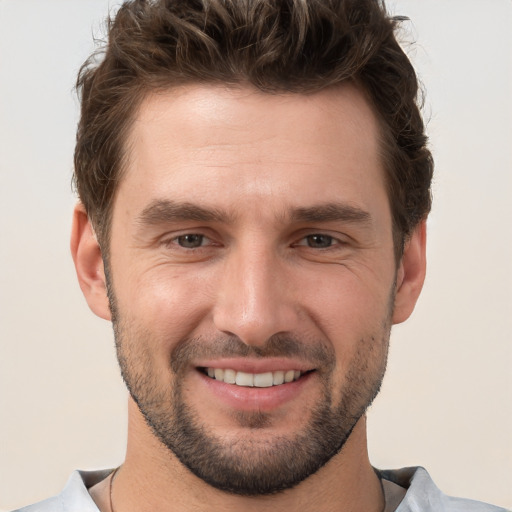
(112, 476)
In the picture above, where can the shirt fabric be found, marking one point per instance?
(421, 494)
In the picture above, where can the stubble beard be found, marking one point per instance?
(251, 465)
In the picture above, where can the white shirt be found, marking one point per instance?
(421, 494)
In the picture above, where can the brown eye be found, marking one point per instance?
(190, 241)
(319, 241)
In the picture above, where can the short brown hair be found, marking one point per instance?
(297, 46)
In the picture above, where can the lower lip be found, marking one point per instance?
(252, 398)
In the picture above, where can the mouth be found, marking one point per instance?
(256, 380)
(255, 385)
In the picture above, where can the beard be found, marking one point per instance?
(251, 464)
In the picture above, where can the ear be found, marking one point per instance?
(86, 254)
(410, 274)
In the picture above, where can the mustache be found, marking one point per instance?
(313, 352)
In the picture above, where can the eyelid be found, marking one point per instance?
(173, 240)
(336, 239)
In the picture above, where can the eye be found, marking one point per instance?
(190, 240)
(318, 241)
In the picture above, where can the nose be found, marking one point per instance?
(254, 300)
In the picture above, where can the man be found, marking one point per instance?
(254, 183)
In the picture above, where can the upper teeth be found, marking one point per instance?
(258, 380)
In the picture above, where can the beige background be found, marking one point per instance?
(447, 399)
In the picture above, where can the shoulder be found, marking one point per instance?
(74, 497)
(423, 494)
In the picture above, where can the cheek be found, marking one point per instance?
(353, 314)
(167, 303)
(344, 301)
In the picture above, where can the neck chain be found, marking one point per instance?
(112, 476)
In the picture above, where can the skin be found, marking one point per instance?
(258, 272)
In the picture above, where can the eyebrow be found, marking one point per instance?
(163, 211)
(332, 212)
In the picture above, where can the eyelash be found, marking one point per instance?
(176, 240)
(332, 241)
(305, 241)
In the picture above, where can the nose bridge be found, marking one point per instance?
(253, 300)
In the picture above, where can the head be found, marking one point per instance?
(286, 46)
(257, 177)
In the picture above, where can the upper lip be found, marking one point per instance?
(256, 365)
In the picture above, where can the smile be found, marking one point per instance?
(257, 380)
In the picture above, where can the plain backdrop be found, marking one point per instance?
(446, 402)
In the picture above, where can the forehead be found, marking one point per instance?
(199, 116)
(235, 146)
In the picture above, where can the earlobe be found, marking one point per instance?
(88, 261)
(410, 274)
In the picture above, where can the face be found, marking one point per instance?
(252, 278)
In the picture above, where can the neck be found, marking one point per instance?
(151, 478)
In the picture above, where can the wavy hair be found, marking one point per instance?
(295, 46)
